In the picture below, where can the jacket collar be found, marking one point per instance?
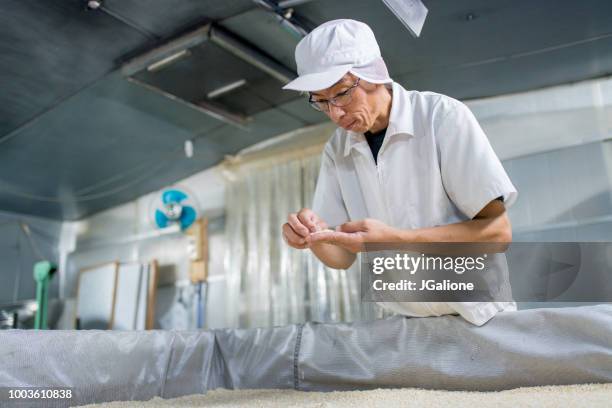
(401, 120)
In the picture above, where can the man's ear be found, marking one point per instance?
(368, 86)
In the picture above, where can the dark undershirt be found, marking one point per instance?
(375, 141)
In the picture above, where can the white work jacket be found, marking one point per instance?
(435, 167)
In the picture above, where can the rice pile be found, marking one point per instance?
(586, 395)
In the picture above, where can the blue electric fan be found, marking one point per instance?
(175, 210)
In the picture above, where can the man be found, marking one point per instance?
(403, 166)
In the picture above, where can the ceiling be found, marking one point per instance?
(78, 135)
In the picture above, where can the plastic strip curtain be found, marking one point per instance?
(269, 283)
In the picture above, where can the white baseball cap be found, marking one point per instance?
(332, 50)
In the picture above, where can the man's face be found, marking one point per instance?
(359, 115)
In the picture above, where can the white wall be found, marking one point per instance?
(547, 119)
(126, 233)
(555, 145)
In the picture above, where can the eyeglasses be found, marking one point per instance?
(340, 100)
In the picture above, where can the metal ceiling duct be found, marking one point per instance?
(179, 48)
(216, 112)
(239, 49)
(171, 48)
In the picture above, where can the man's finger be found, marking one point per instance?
(292, 238)
(322, 236)
(353, 226)
(349, 241)
(329, 236)
(297, 226)
(308, 218)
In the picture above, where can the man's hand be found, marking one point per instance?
(352, 235)
(299, 226)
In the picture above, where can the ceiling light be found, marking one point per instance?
(94, 4)
(156, 66)
(226, 88)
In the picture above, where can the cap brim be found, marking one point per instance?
(319, 80)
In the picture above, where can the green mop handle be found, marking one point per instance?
(42, 274)
(39, 296)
